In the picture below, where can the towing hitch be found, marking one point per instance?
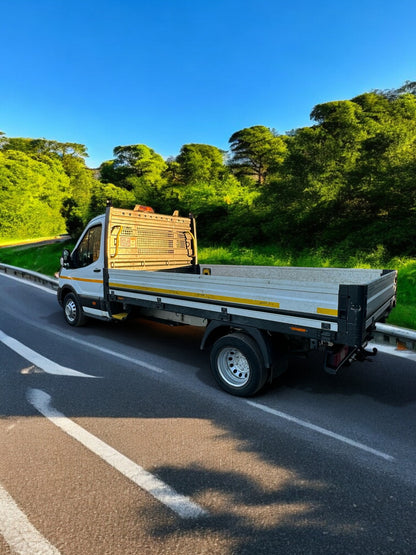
(362, 354)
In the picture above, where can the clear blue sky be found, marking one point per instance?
(169, 72)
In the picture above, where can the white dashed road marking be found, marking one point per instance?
(320, 430)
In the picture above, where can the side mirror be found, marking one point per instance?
(66, 259)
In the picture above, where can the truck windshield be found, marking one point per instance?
(88, 250)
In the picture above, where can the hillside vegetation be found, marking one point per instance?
(341, 192)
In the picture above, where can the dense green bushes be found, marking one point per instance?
(31, 195)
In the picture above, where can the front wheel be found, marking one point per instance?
(74, 315)
(237, 364)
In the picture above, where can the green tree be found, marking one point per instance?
(257, 152)
(45, 146)
(76, 207)
(172, 172)
(204, 185)
(200, 163)
(136, 168)
(137, 161)
(108, 173)
(101, 192)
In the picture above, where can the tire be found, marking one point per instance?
(237, 365)
(74, 315)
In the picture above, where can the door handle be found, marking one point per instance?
(97, 270)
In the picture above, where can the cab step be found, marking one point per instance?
(120, 316)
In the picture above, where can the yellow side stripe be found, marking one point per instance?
(327, 311)
(82, 279)
(197, 295)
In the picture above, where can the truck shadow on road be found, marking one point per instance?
(264, 491)
(386, 379)
(303, 511)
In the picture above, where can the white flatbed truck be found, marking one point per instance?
(254, 316)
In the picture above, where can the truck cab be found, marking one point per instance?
(82, 275)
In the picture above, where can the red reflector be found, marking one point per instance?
(400, 346)
(338, 356)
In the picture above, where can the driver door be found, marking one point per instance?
(87, 263)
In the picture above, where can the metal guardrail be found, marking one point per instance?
(52, 283)
(384, 334)
(401, 338)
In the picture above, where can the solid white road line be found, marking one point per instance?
(180, 504)
(38, 360)
(20, 535)
(320, 430)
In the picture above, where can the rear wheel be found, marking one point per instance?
(74, 315)
(237, 364)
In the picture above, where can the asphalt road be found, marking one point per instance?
(114, 439)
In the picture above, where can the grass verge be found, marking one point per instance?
(43, 259)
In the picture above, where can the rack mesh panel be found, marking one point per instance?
(147, 241)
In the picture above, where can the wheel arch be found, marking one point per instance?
(215, 330)
(64, 291)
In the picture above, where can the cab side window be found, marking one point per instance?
(88, 250)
